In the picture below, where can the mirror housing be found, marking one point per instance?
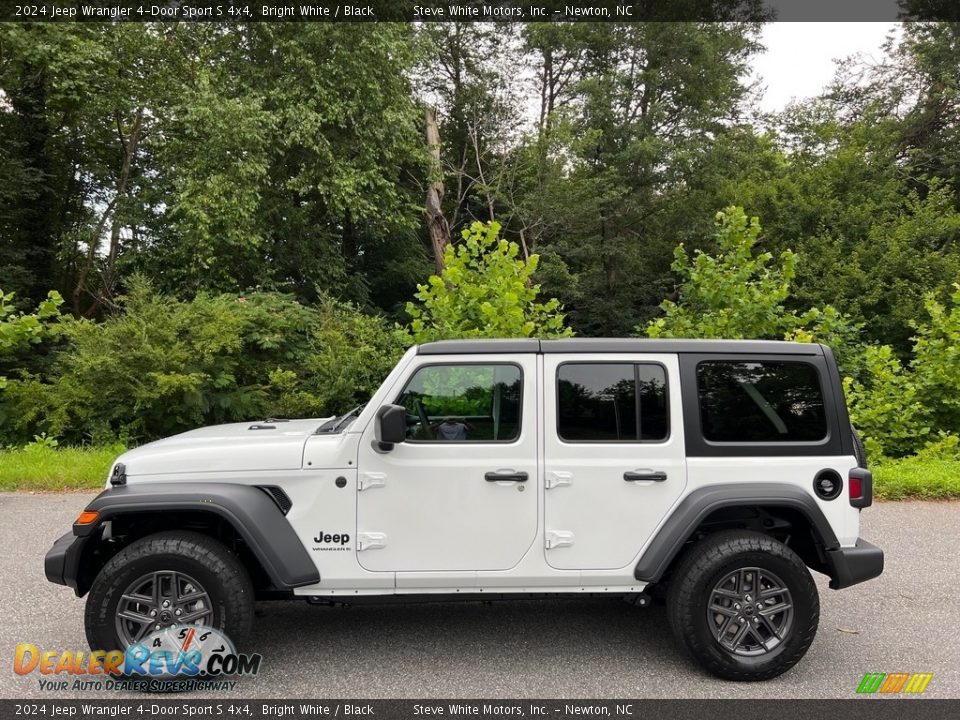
(390, 427)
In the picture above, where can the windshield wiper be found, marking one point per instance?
(335, 424)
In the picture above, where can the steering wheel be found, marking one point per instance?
(424, 420)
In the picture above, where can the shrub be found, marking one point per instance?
(162, 365)
(485, 290)
(738, 294)
(901, 409)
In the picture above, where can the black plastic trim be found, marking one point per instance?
(696, 506)
(61, 564)
(832, 475)
(278, 495)
(866, 488)
(698, 446)
(474, 347)
(249, 510)
(618, 345)
(854, 565)
(656, 345)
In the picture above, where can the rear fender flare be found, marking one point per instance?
(695, 507)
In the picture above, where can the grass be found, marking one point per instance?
(41, 468)
(52, 469)
(917, 478)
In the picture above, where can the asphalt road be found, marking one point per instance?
(907, 620)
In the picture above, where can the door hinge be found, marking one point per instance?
(559, 538)
(556, 478)
(371, 480)
(371, 540)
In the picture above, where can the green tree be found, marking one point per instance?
(738, 294)
(162, 365)
(901, 407)
(485, 290)
(21, 332)
(632, 106)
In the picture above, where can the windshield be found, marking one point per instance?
(335, 425)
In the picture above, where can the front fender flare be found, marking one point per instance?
(249, 510)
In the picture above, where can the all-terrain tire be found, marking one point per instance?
(705, 565)
(216, 568)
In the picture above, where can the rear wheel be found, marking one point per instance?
(743, 605)
(167, 579)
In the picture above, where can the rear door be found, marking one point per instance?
(614, 455)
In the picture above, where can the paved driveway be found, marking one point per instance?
(907, 620)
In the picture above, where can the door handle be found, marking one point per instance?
(506, 476)
(644, 475)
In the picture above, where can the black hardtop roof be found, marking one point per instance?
(618, 345)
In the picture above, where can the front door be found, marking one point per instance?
(614, 455)
(461, 493)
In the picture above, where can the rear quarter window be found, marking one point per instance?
(763, 401)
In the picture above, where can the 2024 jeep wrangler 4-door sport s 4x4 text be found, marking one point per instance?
(711, 474)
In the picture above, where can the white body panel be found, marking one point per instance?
(434, 506)
(607, 518)
(429, 522)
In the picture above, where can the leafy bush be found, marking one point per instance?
(485, 290)
(737, 294)
(902, 408)
(162, 365)
(21, 332)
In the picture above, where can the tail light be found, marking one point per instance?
(860, 488)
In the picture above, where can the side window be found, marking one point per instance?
(464, 403)
(612, 402)
(760, 402)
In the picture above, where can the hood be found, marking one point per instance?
(248, 446)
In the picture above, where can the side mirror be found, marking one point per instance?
(390, 427)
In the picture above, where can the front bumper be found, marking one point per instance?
(61, 564)
(852, 565)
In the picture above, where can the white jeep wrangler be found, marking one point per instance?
(709, 474)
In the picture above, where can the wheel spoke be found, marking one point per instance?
(194, 616)
(135, 616)
(138, 598)
(771, 627)
(756, 636)
(738, 637)
(142, 632)
(728, 611)
(723, 628)
(774, 609)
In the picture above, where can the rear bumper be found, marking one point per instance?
(852, 565)
(61, 564)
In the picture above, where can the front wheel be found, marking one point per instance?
(167, 579)
(743, 605)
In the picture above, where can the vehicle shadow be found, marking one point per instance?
(526, 648)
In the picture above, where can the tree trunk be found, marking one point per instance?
(437, 224)
(129, 149)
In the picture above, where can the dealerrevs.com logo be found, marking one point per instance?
(179, 657)
(894, 683)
